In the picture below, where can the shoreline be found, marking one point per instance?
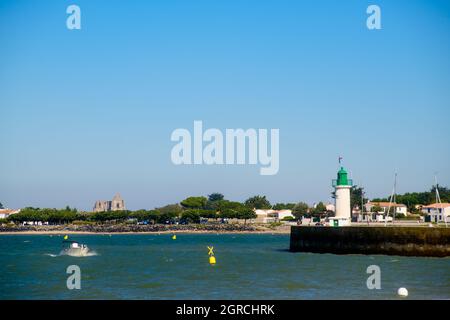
(109, 230)
(170, 229)
(54, 232)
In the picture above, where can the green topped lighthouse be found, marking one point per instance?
(342, 186)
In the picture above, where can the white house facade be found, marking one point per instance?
(270, 215)
(5, 213)
(399, 207)
(437, 212)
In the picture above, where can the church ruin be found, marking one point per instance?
(116, 204)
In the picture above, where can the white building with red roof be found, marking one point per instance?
(270, 215)
(437, 212)
(400, 208)
(5, 213)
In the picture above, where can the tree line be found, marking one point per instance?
(412, 199)
(190, 210)
(214, 206)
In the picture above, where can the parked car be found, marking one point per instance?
(319, 224)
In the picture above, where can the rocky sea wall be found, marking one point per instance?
(391, 240)
(118, 228)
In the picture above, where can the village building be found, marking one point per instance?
(399, 207)
(5, 213)
(437, 212)
(270, 215)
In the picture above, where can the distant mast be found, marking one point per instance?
(392, 200)
(438, 198)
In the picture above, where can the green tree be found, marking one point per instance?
(356, 194)
(191, 216)
(145, 215)
(194, 202)
(168, 217)
(228, 213)
(444, 194)
(171, 210)
(376, 208)
(319, 210)
(52, 216)
(139, 215)
(205, 213)
(258, 202)
(245, 213)
(98, 217)
(412, 199)
(111, 216)
(19, 217)
(62, 216)
(226, 204)
(321, 207)
(284, 206)
(1, 206)
(213, 201)
(29, 214)
(169, 213)
(153, 215)
(215, 197)
(119, 215)
(300, 210)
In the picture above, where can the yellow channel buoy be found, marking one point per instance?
(174, 237)
(66, 237)
(212, 259)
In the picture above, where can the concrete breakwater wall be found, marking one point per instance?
(402, 241)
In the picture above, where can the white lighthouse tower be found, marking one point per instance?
(342, 186)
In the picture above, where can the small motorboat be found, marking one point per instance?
(75, 249)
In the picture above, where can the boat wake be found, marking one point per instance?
(52, 255)
(91, 253)
(64, 253)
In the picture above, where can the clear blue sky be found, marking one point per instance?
(88, 113)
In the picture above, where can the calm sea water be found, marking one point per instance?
(248, 267)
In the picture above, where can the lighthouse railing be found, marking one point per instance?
(349, 182)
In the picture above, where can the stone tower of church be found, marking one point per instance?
(116, 204)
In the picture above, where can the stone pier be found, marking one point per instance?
(390, 240)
